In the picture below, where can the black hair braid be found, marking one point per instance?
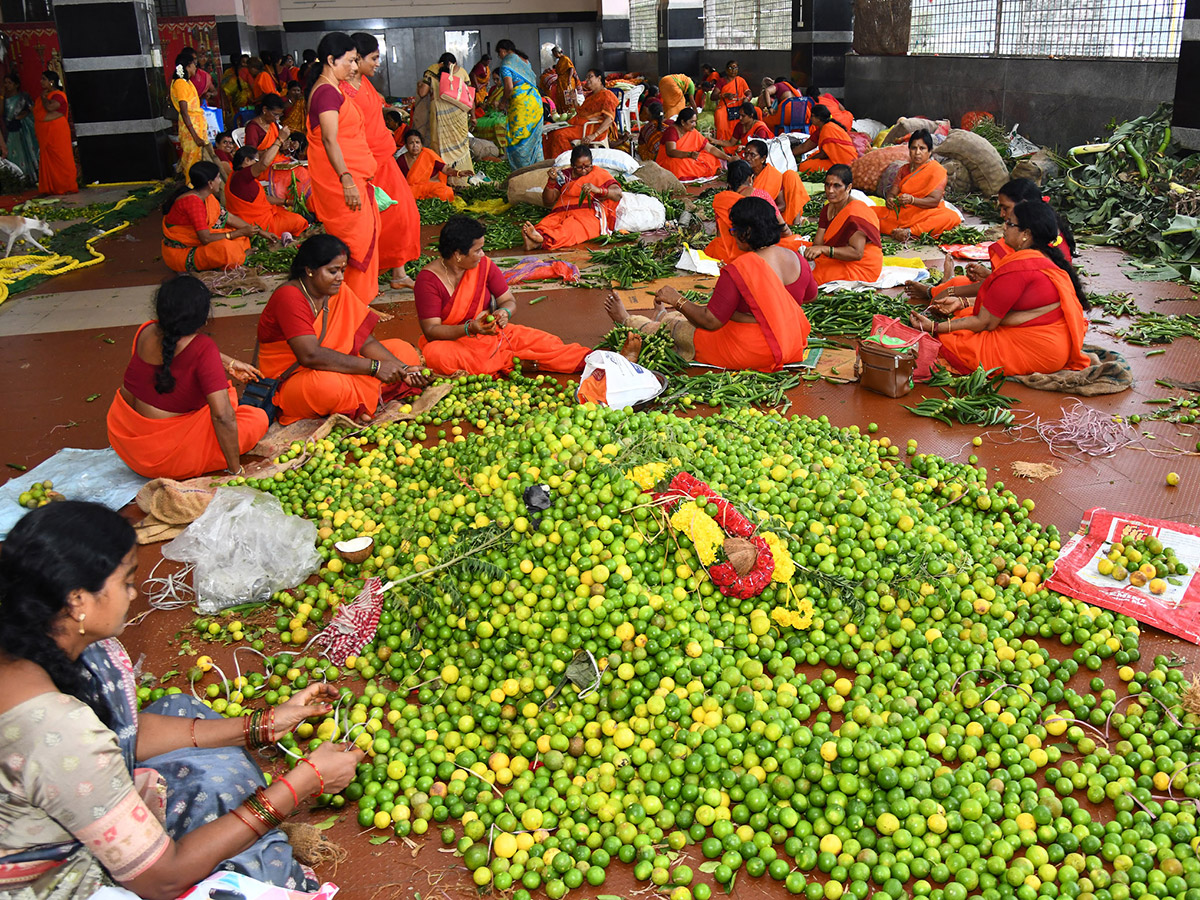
(164, 380)
(1056, 256)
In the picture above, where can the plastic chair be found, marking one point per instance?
(627, 109)
(239, 136)
(793, 114)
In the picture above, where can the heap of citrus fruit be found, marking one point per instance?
(1143, 560)
(916, 736)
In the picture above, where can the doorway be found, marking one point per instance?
(549, 38)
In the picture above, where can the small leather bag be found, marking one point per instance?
(885, 365)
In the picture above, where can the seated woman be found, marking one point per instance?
(754, 319)
(651, 134)
(465, 306)
(831, 140)
(837, 111)
(194, 234)
(847, 246)
(914, 201)
(774, 92)
(593, 121)
(686, 153)
(749, 127)
(584, 200)
(395, 122)
(1028, 316)
(785, 188)
(263, 130)
(425, 170)
(740, 181)
(245, 197)
(966, 287)
(224, 148)
(176, 416)
(315, 334)
(98, 793)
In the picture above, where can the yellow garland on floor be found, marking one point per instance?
(14, 268)
(706, 535)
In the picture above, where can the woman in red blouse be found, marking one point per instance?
(175, 415)
(195, 236)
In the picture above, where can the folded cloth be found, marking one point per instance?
(1110, 374)
(170, 506)
(893, 275)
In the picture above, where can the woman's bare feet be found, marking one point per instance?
(400, 280)
(616, 309)
(633, 346)
(533, 237)
(915, 290)
(903, 235)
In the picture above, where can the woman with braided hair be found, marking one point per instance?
(1028, 315)
(176, 415)
(831, 141)
(94, 792)
(197, 233)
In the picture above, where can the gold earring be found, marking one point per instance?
(82, 616)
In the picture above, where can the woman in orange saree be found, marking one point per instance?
(754, 319)
(195, 236)
(676, 92)
(175, 415)
(785, 188)
(315, 333)
(1029, 315)
(342, 165)
(566, 87)
(914, 201)
(594, 120)
(464, 306)
(246, 199)
(400, 223)
(847, 246)
(584, 206)
(57, 173)
(833, 143)
(741, 184)
(425, 170)
(686, 153)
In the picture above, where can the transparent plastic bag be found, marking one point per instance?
(244, 548)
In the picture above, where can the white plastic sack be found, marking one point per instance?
(481, 148)
(697, 261)
(244, 548)
(98, 476)
(612, 161)
(625, 382)
(640, 212)
(869, 127)
(779, 153)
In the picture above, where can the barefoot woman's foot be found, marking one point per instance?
(533, 237)
(915, 290)
(616, 309)
(400, 280)
(633, 346)
(903, 235)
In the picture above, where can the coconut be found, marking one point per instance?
(356, 549)
(741, 553)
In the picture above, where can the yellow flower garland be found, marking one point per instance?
(706, 535)
(784, 567)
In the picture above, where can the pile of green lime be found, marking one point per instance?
(924, 736)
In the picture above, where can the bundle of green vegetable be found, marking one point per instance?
(850, 314)
(657, 354)
(732, 390)
(973, 399)
(434, 212)
(1128, 191)
(1156, 328)
(626, 266)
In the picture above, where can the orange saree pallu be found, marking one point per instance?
(723, 246)
(779, 334)
(313, 394)
(400, 223)
(837, 111)
(769, 181)
(927, 179)
(359, 228)
(491, 354)
(855, 216)
(423, 183)
(183, 252)
(795, 196)
(601, 103)
(672, 89)
(57, 173)
(574, 221)
(835, 143)
(265, 214)
(703, 166)
(1023, 349)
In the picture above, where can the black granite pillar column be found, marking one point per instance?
(1187, 80)
(614, 37)
(820, 44)
(113, 68)
(681, 41)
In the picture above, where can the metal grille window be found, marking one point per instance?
(643, 26)
(747, 25)
(1122, 29)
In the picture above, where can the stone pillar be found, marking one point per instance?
(822, 33)
(681, 41)
(1187, 80)
(614, 35)
(113, 68)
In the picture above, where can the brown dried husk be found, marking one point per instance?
(1190, 698)
(1041, 471)
(741, 554)
(311, 846)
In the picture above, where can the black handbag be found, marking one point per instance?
(261, 393)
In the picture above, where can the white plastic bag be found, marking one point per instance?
(697, 261)
(625, 382)
(612, 161)
(640, 212)
(779, 153)
(234, 884)
(244, 548)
